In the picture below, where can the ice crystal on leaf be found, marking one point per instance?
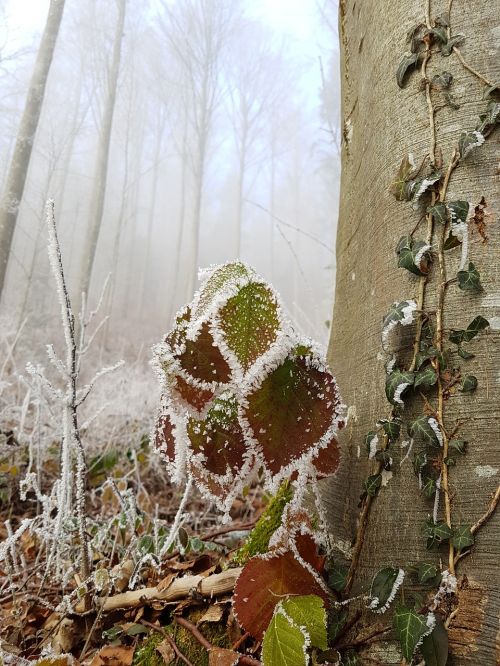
(242, 392)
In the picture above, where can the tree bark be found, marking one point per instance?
(381, 124)
(18, 170)
(100, 176)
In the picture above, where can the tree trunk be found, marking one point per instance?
(100, 176)
(18, 170)
(381, 124)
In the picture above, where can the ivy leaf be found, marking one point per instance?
(439, 212)
(309, 612)
(392, 428)
(429, 487)
(454, 40)
(384, 457)
(426, 377)
(443, 20)
(371, 440)
(421, 185)
(291, 410)
(451, 242)
(490, 118)
(458, 445)
(426, 572)
(468, 141)
(464, 354)
(405, 171)
(284, 643)
(425, 429)
(337, 577)
(396, 385)
(469, 384)
(383, 588)
(439, 34)
(442, 81)
(462, 537)
(469, 280)
(478, 324)
(372, 484)
(436, 533)
(249, 322)
(263, 582)
(409, 627)
(459, 210)
(435, 646)
(413, 255)
(419, 462)
(408, 63)
(336, 620)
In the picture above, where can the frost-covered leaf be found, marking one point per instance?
(371, 442)
(396, 385)
(410, 627)
(439, 212)
(413, 255)
(308, 612)
(219, 438)
(392, 428)
(435, 646)
(327, 461)
(462, 537)
(469, 384)
(400, 312)
(442, 81)
(250, 323)
(292, 410)
(284, 643)
(221, 279)
(164, 439)
(219, 657)
(408, 63)
(422, 185)
(469, 280)
(185, 391)
(468, 141)
(405, 172)
(426, 572)
(447, 47)
(426, 377)
(372, 484)
(263, 582)
(385, 585)
(459, 210)
(426, 429)
(203, 360)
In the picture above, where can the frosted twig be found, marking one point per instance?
(172, 535)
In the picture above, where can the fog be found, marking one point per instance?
(199, 132)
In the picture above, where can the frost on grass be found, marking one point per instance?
(242, 392)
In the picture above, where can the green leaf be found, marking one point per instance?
(436, 533)
(442, 81)
(384, 457)
(399, 186)
(469, 280)
(419, 462)
(426, 572)
(435, 646)
(309, 612)
(397, 384)
(392, 428)
(469, 384)
(337, 577)
(383, 588)
(249, 322)
(284, 643)
(462, 537)
(409, 627)
(421, 185)
(464, 354)
(429, 487)
(336, 620)
(408, 63)
(468, 141)
(425, 429)
(368, 442)
(451, 242)
(223, 277)
(458, 445)
(459, 210)
(411, 257)
(449, 461)
(477, 324)
(439, 212)
(426, 377)
(454, 40)
(372, 484)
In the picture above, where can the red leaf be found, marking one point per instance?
(263, 582)
(164, 435)
(195, 396)
(203, 360)
(328, 459)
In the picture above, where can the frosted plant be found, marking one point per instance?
(243, 395)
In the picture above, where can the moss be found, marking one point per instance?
(268, 523)
(146, 654)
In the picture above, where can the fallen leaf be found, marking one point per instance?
(223, 657)
(166, 651)
(114, 656)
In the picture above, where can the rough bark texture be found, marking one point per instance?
(381, 124)
(18, 170)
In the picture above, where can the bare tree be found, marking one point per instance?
(18, 170)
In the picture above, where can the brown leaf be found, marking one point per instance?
(213, 613)
(114, 656)
(166, 651)
(479, 218)
(223, 657)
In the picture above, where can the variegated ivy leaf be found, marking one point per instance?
(469, 384)
(459, 211)
(426, 377)
(440, 35)
(402, 312)
(407, 64)
(371, 441)
(221, 279)
(404, 175)
(397, 384)
(439, 212)
(458, 446)
(426, 572)
(422, 185)
(410, 628)
(292, 410)
(392, 428)
(219, 438)
(250, 323)
(469, 279)
(489, 119)
(426, 429)
(468, 141)
(413, 255)
(447, 47)
(385, 585)
(419, 462)
(429, 487)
